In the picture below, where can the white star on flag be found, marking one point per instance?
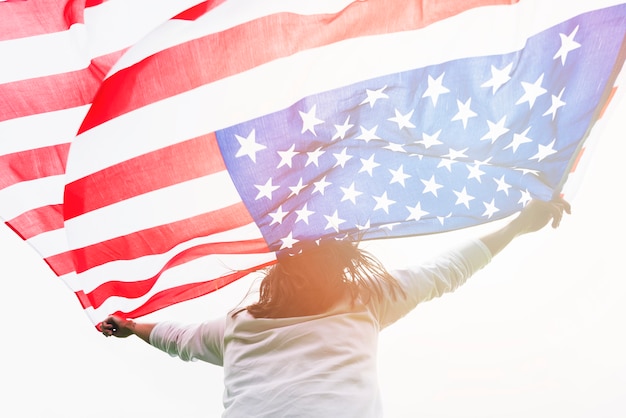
(498, 78)
(435, 89)
(309, 120)
(403, 121)
(266, 189)
(249, 146)
(567, 45)
(465, 113)
(531, 92)
(373, 95)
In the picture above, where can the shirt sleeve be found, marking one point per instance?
(425, 282)
(203, 341)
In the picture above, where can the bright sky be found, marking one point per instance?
(537, 333)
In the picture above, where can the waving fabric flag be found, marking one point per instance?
(236, 131)
(53, 56)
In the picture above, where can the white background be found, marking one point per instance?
(538, 333)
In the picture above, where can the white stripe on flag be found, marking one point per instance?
(43, 55)
(118, 24)
(227, 15)
(41, 130)
(49, 243)
(169, 35)
(24, 196)
(119, 139)
(173, 203)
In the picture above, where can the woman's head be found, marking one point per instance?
(321, 275)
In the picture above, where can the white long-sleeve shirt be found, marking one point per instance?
(312, 366)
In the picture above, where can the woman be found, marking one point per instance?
(307, 348)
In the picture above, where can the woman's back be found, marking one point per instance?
(312, 366)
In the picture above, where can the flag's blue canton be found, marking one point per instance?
(428, 150)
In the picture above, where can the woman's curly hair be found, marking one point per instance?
(316, 279)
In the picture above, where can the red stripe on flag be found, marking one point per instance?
(358, 19)
(608, 101)
(54, 92)
(60, 264)
(21, 19)
(74, 11)
(37, 221)
(148, 174)
(578, 158)
(91, 3)
(187, 292)
(198, 10)
(139, 288)
(160, 239)
(33, 164)
(82, 298)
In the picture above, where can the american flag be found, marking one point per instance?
(237, 130)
